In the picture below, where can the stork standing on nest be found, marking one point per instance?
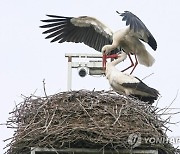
(125, 83)
(95, 34)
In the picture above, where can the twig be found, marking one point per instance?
(50, 120)
(89, 115)
(171, 102)
(147, 76)
(119, 114)
(44, 88)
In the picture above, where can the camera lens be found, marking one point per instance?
(82, 72)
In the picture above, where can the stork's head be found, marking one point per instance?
(106, 49)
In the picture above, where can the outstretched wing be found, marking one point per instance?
(138, 28)
(84, 29)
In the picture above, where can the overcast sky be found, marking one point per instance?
(26, 58)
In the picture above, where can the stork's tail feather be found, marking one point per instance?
(145, 58)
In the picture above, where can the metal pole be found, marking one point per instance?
(69, 81)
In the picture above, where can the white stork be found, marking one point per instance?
(125, 83)
(92, 32)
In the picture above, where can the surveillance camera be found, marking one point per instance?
(83, 71)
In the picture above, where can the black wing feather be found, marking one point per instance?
(137, 25)
(140, 86)
(61, 29)
(53, 29)
(51, 25)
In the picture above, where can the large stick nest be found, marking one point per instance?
(84, 119)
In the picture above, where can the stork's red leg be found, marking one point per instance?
(132, 64)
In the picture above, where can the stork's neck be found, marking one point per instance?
(110, 67)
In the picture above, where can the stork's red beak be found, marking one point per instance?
(112, 56)
(104, 62)
(108, 56)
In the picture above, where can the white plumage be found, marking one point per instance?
(92, 32)
(125, 83)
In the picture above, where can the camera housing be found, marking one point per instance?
(83, 71)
